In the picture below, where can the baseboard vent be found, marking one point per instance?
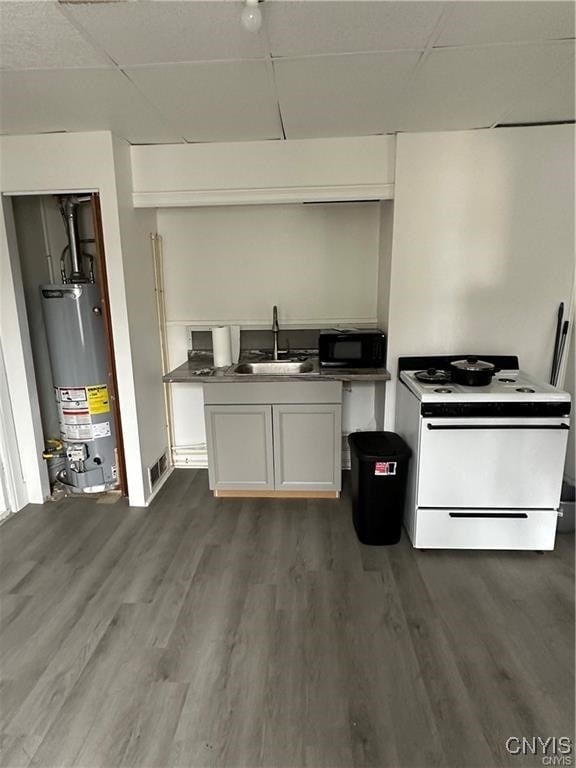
(157, 469)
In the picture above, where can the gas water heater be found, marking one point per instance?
(76, 346)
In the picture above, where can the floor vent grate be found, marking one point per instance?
(157, 469)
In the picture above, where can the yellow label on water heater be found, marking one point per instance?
(98, 401)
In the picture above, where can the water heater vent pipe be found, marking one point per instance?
(68, 208)
(69, 212)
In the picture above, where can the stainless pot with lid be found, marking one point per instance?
(472, 372)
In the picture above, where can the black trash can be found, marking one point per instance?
(379, 473)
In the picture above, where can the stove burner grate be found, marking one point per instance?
(433, 376)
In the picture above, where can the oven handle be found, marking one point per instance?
(489, 514)
(497, 426)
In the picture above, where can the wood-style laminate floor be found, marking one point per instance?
(208, 632)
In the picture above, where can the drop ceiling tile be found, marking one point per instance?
(297, 28)
(27, 105)
(37, 101)
(342, 95)
(473, 23)
(37, 35)
(220, 101)
(461, 88)
(152, 32)
(555, 102)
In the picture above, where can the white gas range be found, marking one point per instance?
(488, 460)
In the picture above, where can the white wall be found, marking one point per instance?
(135, 229)
(483, 244)
(68, 162)
(358, 408)
(384, 263)
(318, 263)
(187, 401)
(383, 298)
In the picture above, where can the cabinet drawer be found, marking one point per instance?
(485, 529)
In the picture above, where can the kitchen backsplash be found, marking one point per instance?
(262, 339)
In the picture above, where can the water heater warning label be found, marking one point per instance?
(98, 401)
(101, 430)
(74, 416)
(74, 395)
(76, 408)
(81, 432)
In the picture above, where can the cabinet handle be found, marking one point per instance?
(497, 426)
(489, 514)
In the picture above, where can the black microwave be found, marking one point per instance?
(352, 348)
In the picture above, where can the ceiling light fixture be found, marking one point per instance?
(251, 16)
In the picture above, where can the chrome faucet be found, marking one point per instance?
(275, 330)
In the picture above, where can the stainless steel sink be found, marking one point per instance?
(274, 368)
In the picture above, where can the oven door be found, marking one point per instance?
(494, 463)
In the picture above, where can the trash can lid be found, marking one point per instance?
(378, 446)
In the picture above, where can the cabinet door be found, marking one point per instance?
(239, 441)
(307, 447)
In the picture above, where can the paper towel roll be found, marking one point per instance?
(221, 346)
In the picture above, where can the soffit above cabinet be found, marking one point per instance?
(323, 170)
